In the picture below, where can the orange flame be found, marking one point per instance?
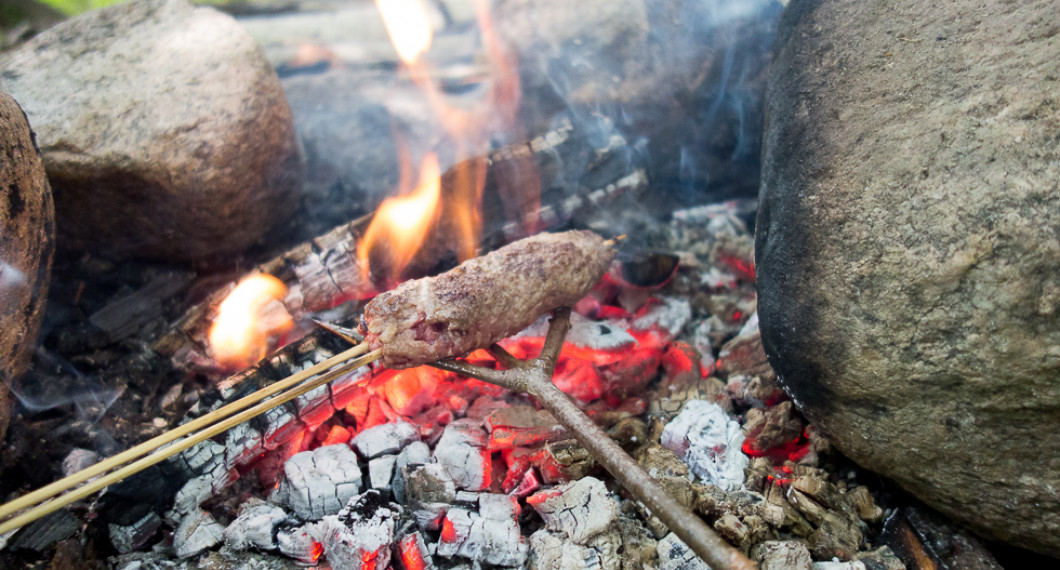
(408, 24)
(401, 224)
(409, 27)
(247, 319)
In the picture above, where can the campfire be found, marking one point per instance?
(504, 364)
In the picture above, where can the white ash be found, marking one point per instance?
(838, 565)
(361, 534)
(782, 555)
(709, 441)
(303, 543)
(243, 443)
(491, 535)
(701, 342)
(598, 335)
(127, 538)
(551, 551)
(462, 451)
(724, 213)
(579, 510)
(197, 533)
(717, 279)
(319, 482)
(586, 333)
(201, 458)
(381, 472)
(194, 493)
(415, 453)
(676, 555)
(430, 490)
(671, 316)
(79, 459)
(255, 527)
(385, 439)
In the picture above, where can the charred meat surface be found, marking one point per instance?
(485, 299)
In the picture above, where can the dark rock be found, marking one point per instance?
(165, 132)
(27, 243)
(908, 252)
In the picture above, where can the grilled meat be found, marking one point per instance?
(485, 299)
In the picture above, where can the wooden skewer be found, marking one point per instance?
(68, 483)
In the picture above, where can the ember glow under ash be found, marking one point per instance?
(247, 320)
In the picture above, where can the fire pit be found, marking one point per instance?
(451, 463)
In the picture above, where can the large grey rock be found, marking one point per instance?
(908, 248)
(165, 132)
(27, 242)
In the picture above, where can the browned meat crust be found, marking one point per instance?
(485, 299)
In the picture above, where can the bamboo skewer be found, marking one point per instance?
(347, 359)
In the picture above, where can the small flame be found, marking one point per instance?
(247, 319)
(408, 24)
(468, 128)
(400, 226)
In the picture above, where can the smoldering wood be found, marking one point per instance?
(124, 315)
(156, 487)
(576, 173)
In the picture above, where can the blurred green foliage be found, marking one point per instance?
(73, 7)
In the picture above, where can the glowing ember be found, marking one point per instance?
(400, 226)
(408, 25)
(247, 320)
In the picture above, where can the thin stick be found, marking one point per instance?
(147, 447)
(535, 378)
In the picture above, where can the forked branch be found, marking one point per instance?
(534, 377)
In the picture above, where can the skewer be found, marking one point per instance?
(347, 359)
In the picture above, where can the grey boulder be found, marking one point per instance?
(165, 132)
(908, 248)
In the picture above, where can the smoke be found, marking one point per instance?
(10, 276)
(53, 383)
(683, 80)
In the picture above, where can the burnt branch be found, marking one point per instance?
(534, 377)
